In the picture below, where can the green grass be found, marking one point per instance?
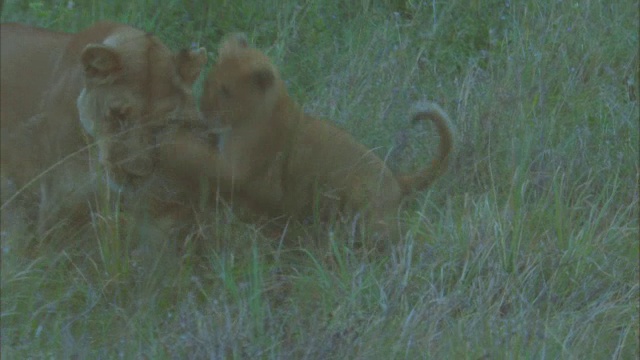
(526, 248)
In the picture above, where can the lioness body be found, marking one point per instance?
(290, 162)
(78, 109)
(22, 87)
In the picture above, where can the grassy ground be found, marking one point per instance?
(526, 248)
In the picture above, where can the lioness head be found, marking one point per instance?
(134, 87)
(242, 88)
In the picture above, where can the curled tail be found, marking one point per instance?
(426, 176)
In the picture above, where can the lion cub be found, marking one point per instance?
(289, 162)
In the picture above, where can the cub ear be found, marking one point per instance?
(101, 63)
(263, 77)
(239, 39)
(233, 42)
(190, 64)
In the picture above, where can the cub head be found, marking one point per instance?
(243, 87)
(134, 88)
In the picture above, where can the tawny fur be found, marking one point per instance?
(285, 161)
(76, 108)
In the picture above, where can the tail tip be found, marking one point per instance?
(430, 110)
(422, 107)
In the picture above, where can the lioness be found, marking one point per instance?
(285, 160)
(111, 85)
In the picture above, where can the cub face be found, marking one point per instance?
(243, 87)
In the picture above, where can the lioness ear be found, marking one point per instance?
(101, 63)
(190, 64)
(263, 77)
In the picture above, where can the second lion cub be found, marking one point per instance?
(288, 162)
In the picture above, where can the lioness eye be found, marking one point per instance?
(119, 115)
(225, 91)
(157, 132)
